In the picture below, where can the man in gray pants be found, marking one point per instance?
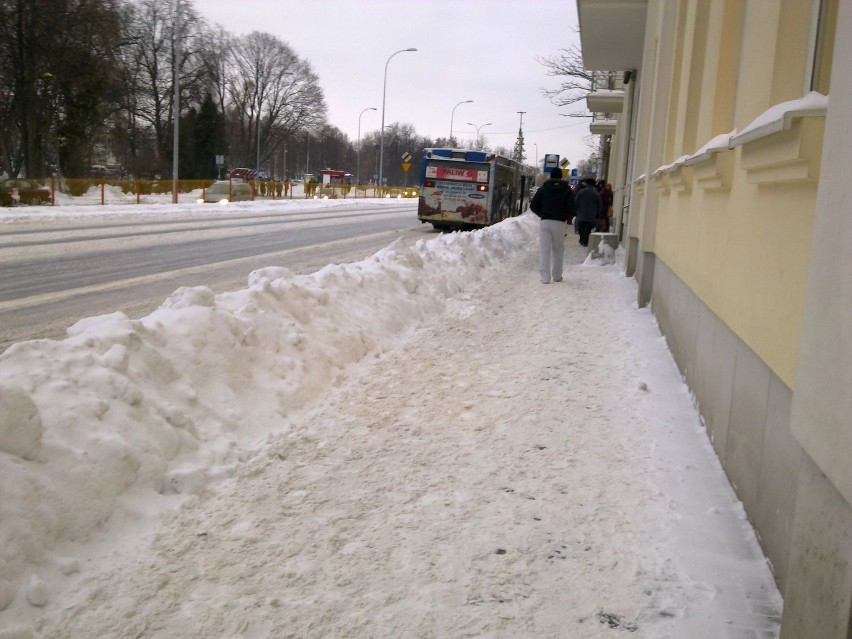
(553, 202)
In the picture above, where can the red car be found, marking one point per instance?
(17, 191)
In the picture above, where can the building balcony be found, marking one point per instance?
(603, 124)
(612, 33)
(605, 101)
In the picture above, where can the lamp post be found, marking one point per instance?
(453, 115)
(358, 162)
(478, 128)
(257, 167)
(382, 132)
(176, 104)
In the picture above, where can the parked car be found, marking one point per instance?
(18, 191)
(218, 192)
(105, 171)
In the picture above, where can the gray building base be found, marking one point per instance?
(802, 521)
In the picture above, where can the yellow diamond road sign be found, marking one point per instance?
(406, 157)
(564, 163)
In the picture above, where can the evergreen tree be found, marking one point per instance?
(209, 139)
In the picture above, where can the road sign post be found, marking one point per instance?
(406, 164)
(551, 161)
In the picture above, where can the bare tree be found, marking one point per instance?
(164, 35)
(273, 94)
(217, 55)
(588, 167)
(480, 143)
(576, 81)
(56, 85)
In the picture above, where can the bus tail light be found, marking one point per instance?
(481, 187)
(429, 183)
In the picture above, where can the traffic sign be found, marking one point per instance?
(551, 161)
(564, 163)
(406, 166)
(406, 157)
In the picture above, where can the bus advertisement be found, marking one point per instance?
(470, 189)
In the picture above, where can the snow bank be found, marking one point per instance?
(166, 403)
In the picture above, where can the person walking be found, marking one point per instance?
(553, 202)
(588, 204)
(605, 194)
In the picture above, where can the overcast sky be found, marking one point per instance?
(480, 50)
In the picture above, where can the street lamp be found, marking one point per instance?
(453, 115)
(176, 105)
(382, 132)
(257, 174)
(478, 127)
(358, 163)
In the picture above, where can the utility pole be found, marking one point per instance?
(519, 145)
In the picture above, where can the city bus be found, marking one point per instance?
(462, 189)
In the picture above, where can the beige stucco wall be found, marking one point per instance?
(744, 257)
(742, 249)
(822, 408)
(744, 252)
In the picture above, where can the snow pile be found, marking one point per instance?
(166, 403)
(602, 255)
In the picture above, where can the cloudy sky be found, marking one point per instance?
(480, 50)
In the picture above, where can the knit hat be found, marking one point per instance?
(556, 173)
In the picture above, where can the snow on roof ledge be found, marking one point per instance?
(719, 143)
(780, 117)
(668, 168)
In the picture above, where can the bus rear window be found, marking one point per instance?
(456, 171)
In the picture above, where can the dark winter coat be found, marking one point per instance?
(554, 200)
(606, 202)
(588, 204)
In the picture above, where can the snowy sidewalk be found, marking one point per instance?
(527, 464)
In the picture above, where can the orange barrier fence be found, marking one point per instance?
(102, 191)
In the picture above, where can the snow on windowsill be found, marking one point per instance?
(670, 168)
(716, 145)
(780, 117)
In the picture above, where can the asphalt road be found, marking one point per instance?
(55, 273)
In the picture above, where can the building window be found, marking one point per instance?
(822, 48)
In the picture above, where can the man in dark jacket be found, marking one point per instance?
(588, 204)
(553, 202)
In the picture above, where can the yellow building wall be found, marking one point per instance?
(746, 258)
(744, 249)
